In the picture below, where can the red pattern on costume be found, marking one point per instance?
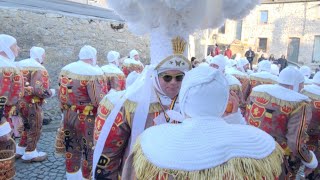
(6, 83)
(69, 165)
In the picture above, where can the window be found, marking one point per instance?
(263, 44)
(222, 29)
(239, 30)
(316, 50)
(263, 17)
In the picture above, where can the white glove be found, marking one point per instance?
(53, 92)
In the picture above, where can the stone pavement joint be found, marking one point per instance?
(51, 169)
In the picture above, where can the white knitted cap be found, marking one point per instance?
(264, 65)
(291, 76)
(88, 52)
(36, 53)
(6, 42)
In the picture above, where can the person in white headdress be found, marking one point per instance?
(37, 89)
(214, 148)
(149, 100)
(263, 76)
(219, 62)
(240, 72)
(313, 92)
(284, 113)
(275, 69)
(132, 63)
(80, 91)
(115, 78)
(11, 91)
(306, 72)
(157, 94)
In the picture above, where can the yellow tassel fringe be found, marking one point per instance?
(265, 81)
(275, 100)
(235, 169)
(311, 95)
(235, 87)
(82, 77)
(32, 68)
(9, 69)
(130, 106)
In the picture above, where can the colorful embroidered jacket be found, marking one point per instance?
(313, 92)
(235, 85)
(36, 82)
(116, 148)
(115, 78)
(130, 65)
(245, 85)
(260, 78)
(11, 91)
(284, 114)
(81, 87)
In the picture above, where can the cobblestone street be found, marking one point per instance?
(53, 168)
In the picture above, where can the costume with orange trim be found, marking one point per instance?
(263, 76)
(313, 92)
(130, 65)
(285, 115)
(115, 78)
(241, 74)
(117, 145)
(36, 83)
(11, 91)
(80, 91)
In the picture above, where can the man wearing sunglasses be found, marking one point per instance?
(148, 102)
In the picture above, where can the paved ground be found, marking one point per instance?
(53, 168)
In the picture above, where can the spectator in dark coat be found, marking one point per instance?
(282, 62)
(262, 58)
(272, 59)
(250, 55)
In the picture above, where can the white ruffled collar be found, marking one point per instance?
(5, 62)
(265, 75)
(314, 89)
(280, 92)
(30, 63)
(211, 139)
(111, 68)
(82, 68)
(232, 80)
(131, 61)
(234, 71)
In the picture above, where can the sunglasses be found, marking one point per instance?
(168, 78)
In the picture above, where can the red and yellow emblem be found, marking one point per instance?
(64, 80)
(83, 83)
(254, 123)
(257, 111)
(286, 109)
(17, 78)
(99, 123)
(103, 110)
(119, 119)
(25, 72)
(63, 90)
(7, 74)
(262, 101)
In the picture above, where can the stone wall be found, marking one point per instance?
(299, 20)
(62, 36)
(285, 20)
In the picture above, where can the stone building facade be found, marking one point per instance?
(291, 28)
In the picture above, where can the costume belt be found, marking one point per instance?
(80, 109)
